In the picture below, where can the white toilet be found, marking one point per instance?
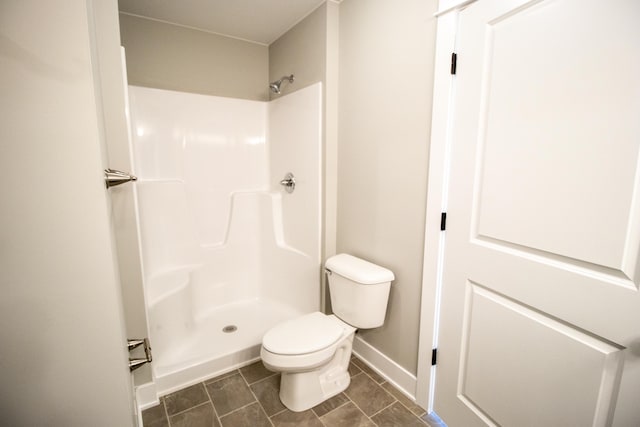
(313, 351)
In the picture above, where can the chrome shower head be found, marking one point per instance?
(275, 86)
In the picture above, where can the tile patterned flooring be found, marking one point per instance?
(249, 397)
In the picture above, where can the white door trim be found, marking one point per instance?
(443, 95)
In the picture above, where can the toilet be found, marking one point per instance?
(312, 352)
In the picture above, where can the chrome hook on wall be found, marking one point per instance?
(289, 182)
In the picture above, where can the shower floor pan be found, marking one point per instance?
(210, 349)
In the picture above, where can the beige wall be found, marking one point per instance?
(167, 56)
(330, 158)
(386, 73)
(300, 51)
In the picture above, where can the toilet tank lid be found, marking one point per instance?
(358, 270)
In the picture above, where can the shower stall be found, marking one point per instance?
(227, 252)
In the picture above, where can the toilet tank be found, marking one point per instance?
(359, 290)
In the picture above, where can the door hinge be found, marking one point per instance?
(443, 221)
(132, 344)
(454, 62)
(434, 356)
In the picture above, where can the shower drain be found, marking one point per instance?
(229, 328)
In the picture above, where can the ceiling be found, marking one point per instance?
(259, 21)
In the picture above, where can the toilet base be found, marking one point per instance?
(300, 391)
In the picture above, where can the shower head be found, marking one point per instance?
(275, 86)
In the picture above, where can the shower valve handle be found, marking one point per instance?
(289, 182)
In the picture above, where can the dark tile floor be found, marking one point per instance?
(249, 397)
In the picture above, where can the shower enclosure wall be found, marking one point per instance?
(227, 253)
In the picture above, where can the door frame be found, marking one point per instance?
(111, 92)
(444, 87)
(112, 97)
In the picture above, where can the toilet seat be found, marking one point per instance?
(303, 343)
(306, 334)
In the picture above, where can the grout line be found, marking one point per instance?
(220, 377)
(390, 404)
(166, 414)
(280, 412)
(273, 374)
(408, 409)
(382, 388)
(337, 407)
(373, 379)
(215, 412)
(405, 407)
(243, 378)
(359, 408)
(256, 397)
(321, 421)
(188, 409)
(248, 404)
(400, 401)
(237, 409)
(367, 374)
(256, 381)
(344, 404)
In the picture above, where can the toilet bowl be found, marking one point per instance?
(312, 352)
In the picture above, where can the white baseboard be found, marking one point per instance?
(399, 377)
(146, 396)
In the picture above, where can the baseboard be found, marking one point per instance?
(395, 374)
(146, 396)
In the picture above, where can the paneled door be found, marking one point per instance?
(540, 322)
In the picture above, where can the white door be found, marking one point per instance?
(540, 322)
(63, 357)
